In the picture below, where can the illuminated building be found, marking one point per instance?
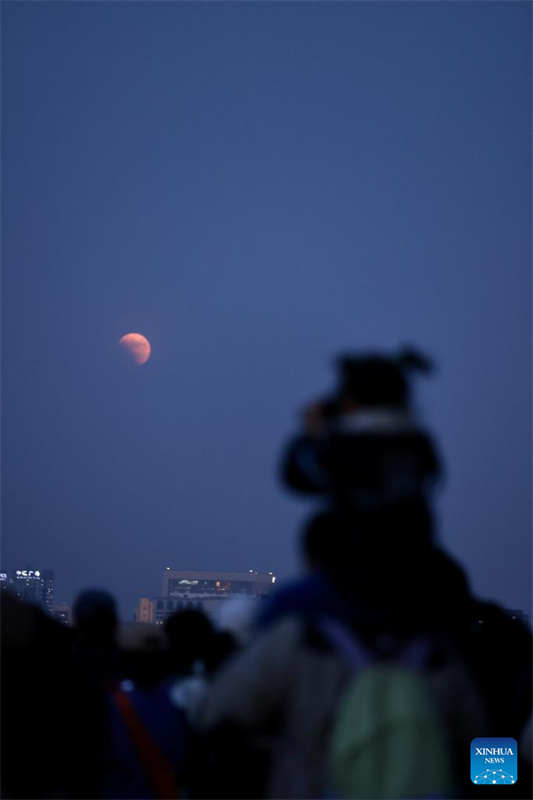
(201, 589)
(145, 610)
(157, 609)
(31, 585)
(181, 583)
(516, 615)
(62, 612)
(519, 616)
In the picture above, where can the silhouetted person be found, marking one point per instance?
(147, 733)
(380, 588)
(362, 448)
(95, 617)
(349, 550)
(52, 717)
(95, 646)
(283, 691)
(196, 651)
(189, 632)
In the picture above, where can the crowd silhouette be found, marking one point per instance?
(367, 677)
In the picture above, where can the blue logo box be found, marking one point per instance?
(493, 761)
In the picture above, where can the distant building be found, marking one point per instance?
(516, 615)
(519, 616)
(181, 583)
(62, 612)
(31, 585)
(145, 610)
(201, 589)
(157, 609)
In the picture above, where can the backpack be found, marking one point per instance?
(388, 739)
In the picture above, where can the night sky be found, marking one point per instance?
(255, 187)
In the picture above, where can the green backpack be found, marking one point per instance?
(388, 740)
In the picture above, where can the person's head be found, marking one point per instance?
(188, 632)
(144, 653)
(386, 562)
(325, 536)
(95, 616)
(222, 646)
(332, 540)
(375, 380)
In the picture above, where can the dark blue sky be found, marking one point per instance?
(255, 187)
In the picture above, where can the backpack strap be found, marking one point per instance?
(345, 642)
(416, 653)
(157, 769)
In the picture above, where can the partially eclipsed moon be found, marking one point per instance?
(137, 345)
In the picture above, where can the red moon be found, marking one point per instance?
(137, 346)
